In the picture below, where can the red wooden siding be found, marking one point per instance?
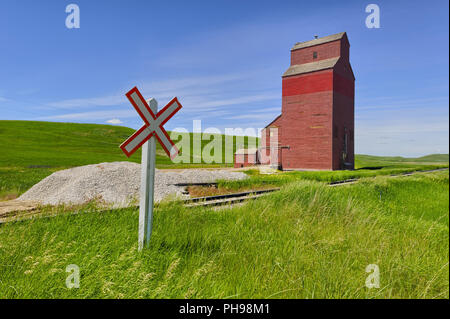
(317, 110)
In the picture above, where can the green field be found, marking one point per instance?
(34, 150)
(308, 240)
(37, 149)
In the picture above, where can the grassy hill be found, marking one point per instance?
(32, 144)
(34, 150)
(433, 158)
(370, 160)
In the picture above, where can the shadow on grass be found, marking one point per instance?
(372, 168)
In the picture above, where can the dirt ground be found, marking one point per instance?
(11, 208)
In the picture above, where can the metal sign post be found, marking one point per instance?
(147, 186)
(146, 137)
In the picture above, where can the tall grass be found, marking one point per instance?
(257, 179)
(306, 241)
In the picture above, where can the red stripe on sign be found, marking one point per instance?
(128, 95)
(131, 95)
(131, 138)
(170, 142)
(174, 100)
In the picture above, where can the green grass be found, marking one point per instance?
(374, 162)
(279, 179)
(306, 241)
(33, 150)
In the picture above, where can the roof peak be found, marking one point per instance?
(317, 41)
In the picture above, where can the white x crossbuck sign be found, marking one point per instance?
(153, 125)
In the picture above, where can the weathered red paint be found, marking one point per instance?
(324, 51)
(310, 83)
(317, 119)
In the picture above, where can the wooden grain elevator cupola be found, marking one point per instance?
(316, 126)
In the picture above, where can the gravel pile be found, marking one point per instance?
(115, 183)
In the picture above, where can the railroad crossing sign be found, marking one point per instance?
(153, 124)
(145, 137)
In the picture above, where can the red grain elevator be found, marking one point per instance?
(316, 126)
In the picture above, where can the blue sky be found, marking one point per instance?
(224, 60)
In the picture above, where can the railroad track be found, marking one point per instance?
(229, 199)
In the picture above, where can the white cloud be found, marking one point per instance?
(211, 103)
(164, 89)
(392, 103)
(94, 115)
(114, 121)
(87, 102)
(392, 131)
(200, 92)
(170, 85)
(198, 95)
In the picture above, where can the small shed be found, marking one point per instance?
(246, 157)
